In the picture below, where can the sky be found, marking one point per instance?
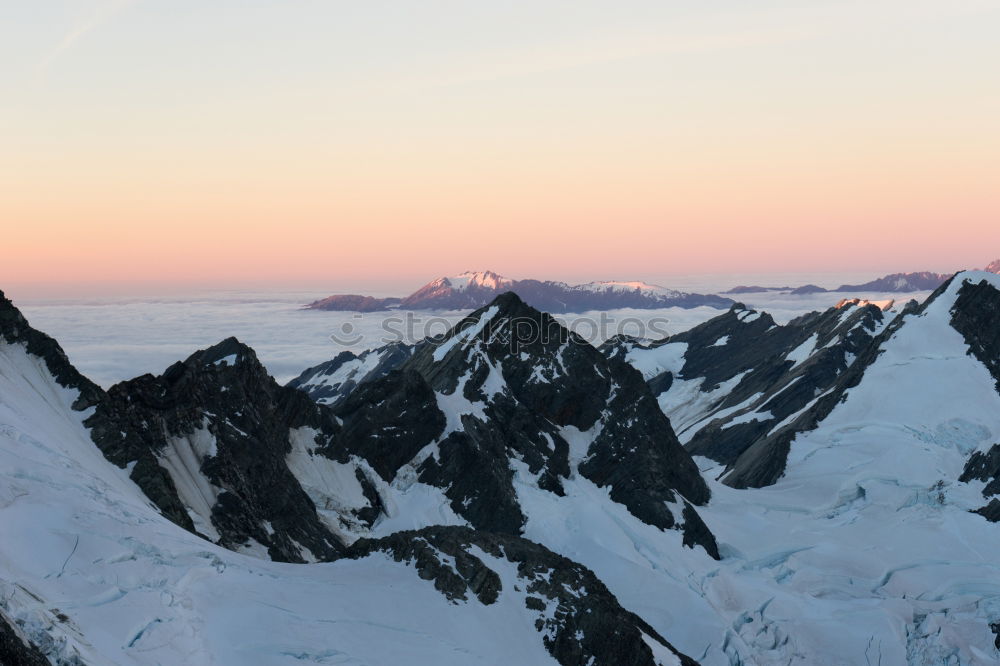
(145, 142)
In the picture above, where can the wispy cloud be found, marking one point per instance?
(101, 15)
(709, 33)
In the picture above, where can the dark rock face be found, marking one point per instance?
(991, 511)
(759, 381)
(329, 382)
(985, 466)
(16, 649)
(220, 419)
(578, 619)
(14, 328)
(388, 421)
(474, 290)
(975, 316)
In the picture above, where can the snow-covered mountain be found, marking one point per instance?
(739, 387)
(507, 492)
(475, 289)
(111, 559)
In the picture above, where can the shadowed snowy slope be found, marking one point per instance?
(866, 549)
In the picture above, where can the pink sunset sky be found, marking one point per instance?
(196, 143)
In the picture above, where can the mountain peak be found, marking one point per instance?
(229, 352)
(509, 301)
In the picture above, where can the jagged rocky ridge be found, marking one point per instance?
(207, 441)
(329, 382)
(216, 427)
(975, 316)
(14, 329)
(738, 387)
(476, 289)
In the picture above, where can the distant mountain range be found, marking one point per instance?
(474, 289)
(894, 283)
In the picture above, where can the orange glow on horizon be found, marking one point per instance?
(691, 141)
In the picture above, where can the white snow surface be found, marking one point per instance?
(466, 334)
(80, 542)
(799, 355)
(182, 458)
(355, 369)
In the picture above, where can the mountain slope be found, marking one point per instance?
(207, 441)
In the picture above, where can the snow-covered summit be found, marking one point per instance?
(626, 287)
(480, 279)
(861, 302)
